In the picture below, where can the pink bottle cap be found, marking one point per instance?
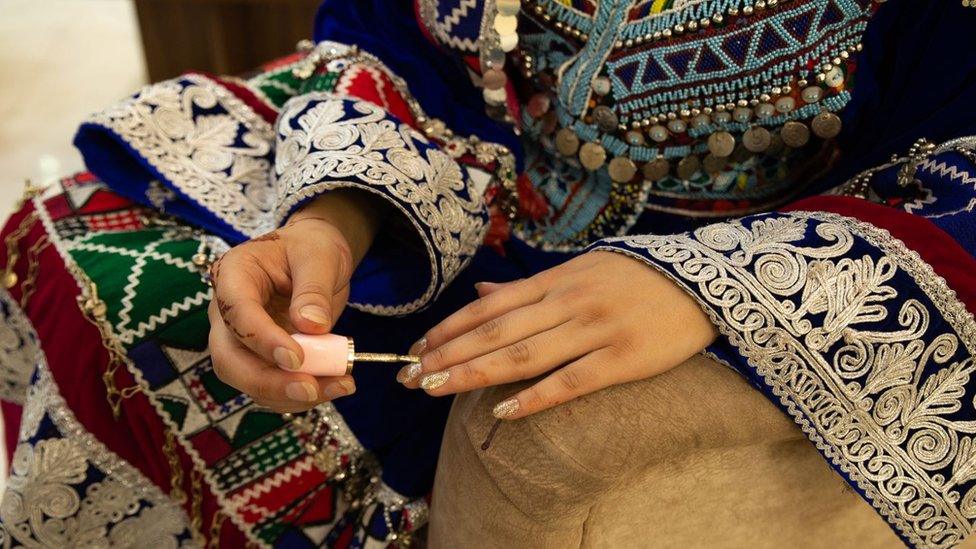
(327, 354)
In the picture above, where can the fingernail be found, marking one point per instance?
(339, 389)
(505, 408)
(286, 358)
(301, 391)
(432, 381)
(419, 347)
(409, 373)
(315, 313)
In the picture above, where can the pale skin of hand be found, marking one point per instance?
(598, 320)
(295, 278)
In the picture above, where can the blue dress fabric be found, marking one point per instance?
(916, 78)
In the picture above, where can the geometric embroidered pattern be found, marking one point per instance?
(67, 489)
(256, 462)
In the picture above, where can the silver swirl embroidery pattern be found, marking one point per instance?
(327, 141)
(207, 143)
(836, 317)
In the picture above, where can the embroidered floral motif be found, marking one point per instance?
(861, 342)
(17, 351)
(67, 490)
(326, 142)
(208, 144)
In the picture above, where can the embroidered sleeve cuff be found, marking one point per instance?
(326, 141)
(190, 148)
(858, 339)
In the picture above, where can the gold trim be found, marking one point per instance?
(350, 356)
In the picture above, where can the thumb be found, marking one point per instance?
(316, 278)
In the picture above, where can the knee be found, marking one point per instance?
(550, 464)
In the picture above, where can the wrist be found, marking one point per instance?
(354, 214)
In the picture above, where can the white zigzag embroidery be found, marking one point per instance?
(457, 14)
(943, 169)
(304, 465)
(125, 333)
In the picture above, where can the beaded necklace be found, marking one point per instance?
(681, 94)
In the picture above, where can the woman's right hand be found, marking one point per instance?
(293, 279)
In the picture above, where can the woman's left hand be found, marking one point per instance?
(597, 320)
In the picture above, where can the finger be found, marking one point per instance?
(586, 375)
(523, 359)
(240, 368)
(481, 310)
(317, 275)
(331, 387)
(240, 298)
(485, 288)
(494, 334)
(283, 407)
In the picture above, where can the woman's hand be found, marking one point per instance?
(295, 278)
(597, 320)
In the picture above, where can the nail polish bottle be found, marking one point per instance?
(335, 355)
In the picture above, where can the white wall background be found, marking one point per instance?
(59, 61)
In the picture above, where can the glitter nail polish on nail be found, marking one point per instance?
(505, 408)
(409, 373)
(419, 347)
(432, 381)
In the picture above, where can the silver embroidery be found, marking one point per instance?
(206, 142)
(17, 351)
(53, 500)
(800, 314)
(340, 142)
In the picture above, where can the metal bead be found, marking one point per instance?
(567, 142)
(714, 164)
(834, 77)
(721, 144)
(622, 169)
(9, 279)
(494, 79)
(508, 7)
(508, 42)
(742, 114)
(199, 259)
(765, 110)
(689, 166)
(592, 156)
(658, 133)
(635, 138)
(795, 134)
(677, 126)
(605, 119)
(700, 121)
(656, 169)
(811, 94)
(505, 24)
(601, 85)
(756, 139)
(785, 104)
(826, 125)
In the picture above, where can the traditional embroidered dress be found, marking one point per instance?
(801, 167)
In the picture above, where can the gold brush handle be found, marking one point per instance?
(384, 357)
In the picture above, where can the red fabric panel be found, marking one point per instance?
(935, 246)
(77, 358)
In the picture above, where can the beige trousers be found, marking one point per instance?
(692, 458)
